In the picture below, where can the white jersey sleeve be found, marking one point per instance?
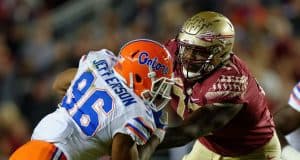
(294, 100)
(102, 54)
(138, 128)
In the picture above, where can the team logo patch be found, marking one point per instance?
(209, 37)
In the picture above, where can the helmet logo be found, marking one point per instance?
(209, 36)
(195, 25)
(144, 59)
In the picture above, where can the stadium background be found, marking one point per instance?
(39, 38)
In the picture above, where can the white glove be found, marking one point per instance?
(161, 122)
(160, 134)
(289, 153)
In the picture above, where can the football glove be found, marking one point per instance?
(161, 122)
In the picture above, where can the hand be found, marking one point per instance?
(160, 119)
(161, 122)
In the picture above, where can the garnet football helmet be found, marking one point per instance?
(147, 68)
(205, 41)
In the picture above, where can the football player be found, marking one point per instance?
(111, 107)
(221, 104)
(287, 120)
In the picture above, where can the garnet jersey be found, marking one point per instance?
(96, 106)
(232, 83)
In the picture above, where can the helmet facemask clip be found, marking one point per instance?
(159, 95)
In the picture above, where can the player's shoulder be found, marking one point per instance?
(227, 82)
(172, 46)
(228, 74)
(234, 71)
(170, 42)
(103, 54)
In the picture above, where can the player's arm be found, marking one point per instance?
(161, 121)
(145, 132)
(287, 120)
(200, 123)
(63, 80)
(123, 147)
(145, 151)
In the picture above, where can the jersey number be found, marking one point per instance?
(85, 103)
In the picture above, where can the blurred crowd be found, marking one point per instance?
(40, 38)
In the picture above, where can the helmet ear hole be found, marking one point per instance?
(138, 78)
